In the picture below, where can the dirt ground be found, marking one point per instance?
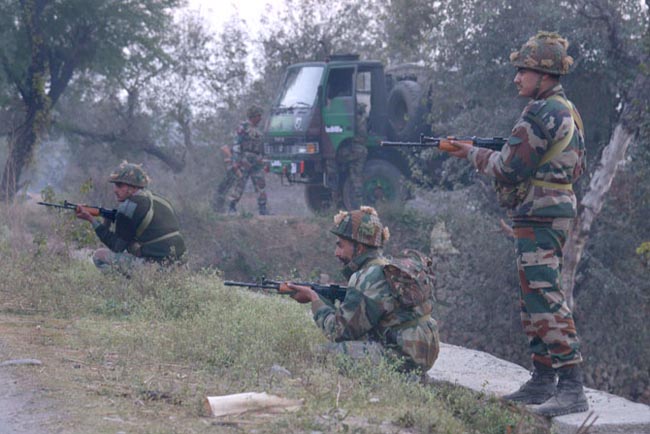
(31, 400)
(283, 199)
(46, 399)
(26, 403)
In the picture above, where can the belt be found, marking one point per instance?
(163, 237)
(552, 185)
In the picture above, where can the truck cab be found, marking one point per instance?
(320, 106)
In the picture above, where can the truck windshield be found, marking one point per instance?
(300, 87)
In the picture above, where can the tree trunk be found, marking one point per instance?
(21, 147)
(591, 205)
(35, 99)
(636, 105)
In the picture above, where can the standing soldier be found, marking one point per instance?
(146, 227)
(534, 173)
(245, 160)
(381, 314)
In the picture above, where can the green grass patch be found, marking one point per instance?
(161, 341)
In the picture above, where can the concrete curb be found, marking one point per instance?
(485, 373)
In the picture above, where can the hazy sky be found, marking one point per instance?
(217, 12)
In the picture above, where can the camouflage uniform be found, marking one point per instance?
(246, 161)
(371, 320)
(542, 216)
(145, 226)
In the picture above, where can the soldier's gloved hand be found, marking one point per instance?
(302, 294)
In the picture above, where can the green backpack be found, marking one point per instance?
(411, 277)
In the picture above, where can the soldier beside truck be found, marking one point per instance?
(325, 127)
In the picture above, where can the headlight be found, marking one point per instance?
(307, 148)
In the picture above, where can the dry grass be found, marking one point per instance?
(140, 354)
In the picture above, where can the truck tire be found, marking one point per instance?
(383, 183)
(318, 198)
(405, 110)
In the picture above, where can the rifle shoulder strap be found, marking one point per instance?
(146, 221)
(560, 146)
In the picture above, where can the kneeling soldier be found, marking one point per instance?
(146, 225)
(376, 317)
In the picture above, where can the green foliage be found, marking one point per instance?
(139, 332)
(68, 227)
(51, 41)
(644, 252)
(472, 46)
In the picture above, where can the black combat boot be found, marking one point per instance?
(569, 397)
(262, 209)
(536, 390)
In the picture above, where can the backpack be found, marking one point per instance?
(411, 277)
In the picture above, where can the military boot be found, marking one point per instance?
(569, 397)
(262, 209)
(536, 390)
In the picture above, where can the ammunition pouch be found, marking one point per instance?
(510, 196)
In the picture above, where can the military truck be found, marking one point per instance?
(317, 111)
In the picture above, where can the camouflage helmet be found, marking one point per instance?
(545, 52)
(253, 111)
(130, 174)
(361, 225)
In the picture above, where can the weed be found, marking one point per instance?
(151, 347)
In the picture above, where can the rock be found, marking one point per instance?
(17, 362)
(485, 373)
(280, 371)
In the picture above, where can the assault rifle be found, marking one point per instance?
(447, 143)
(96, 211)
(331, 292)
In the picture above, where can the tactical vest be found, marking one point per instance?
(157, 234)
(249, 139)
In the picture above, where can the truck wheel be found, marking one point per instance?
(405, 110)
(383, 183)
(318, 197)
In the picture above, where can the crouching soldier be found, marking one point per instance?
(146, 228)
(381, 315)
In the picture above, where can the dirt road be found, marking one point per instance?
(23, 410)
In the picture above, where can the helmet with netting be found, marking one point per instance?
(130, 174)
(253, 111)
(362, 225)
(545, 52)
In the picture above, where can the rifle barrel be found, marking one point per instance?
(66, 205)
(265, 285)
(410, 144)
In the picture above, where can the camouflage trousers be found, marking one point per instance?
(374, 352)
(545, 314)
(250, 166)
(351, 158)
